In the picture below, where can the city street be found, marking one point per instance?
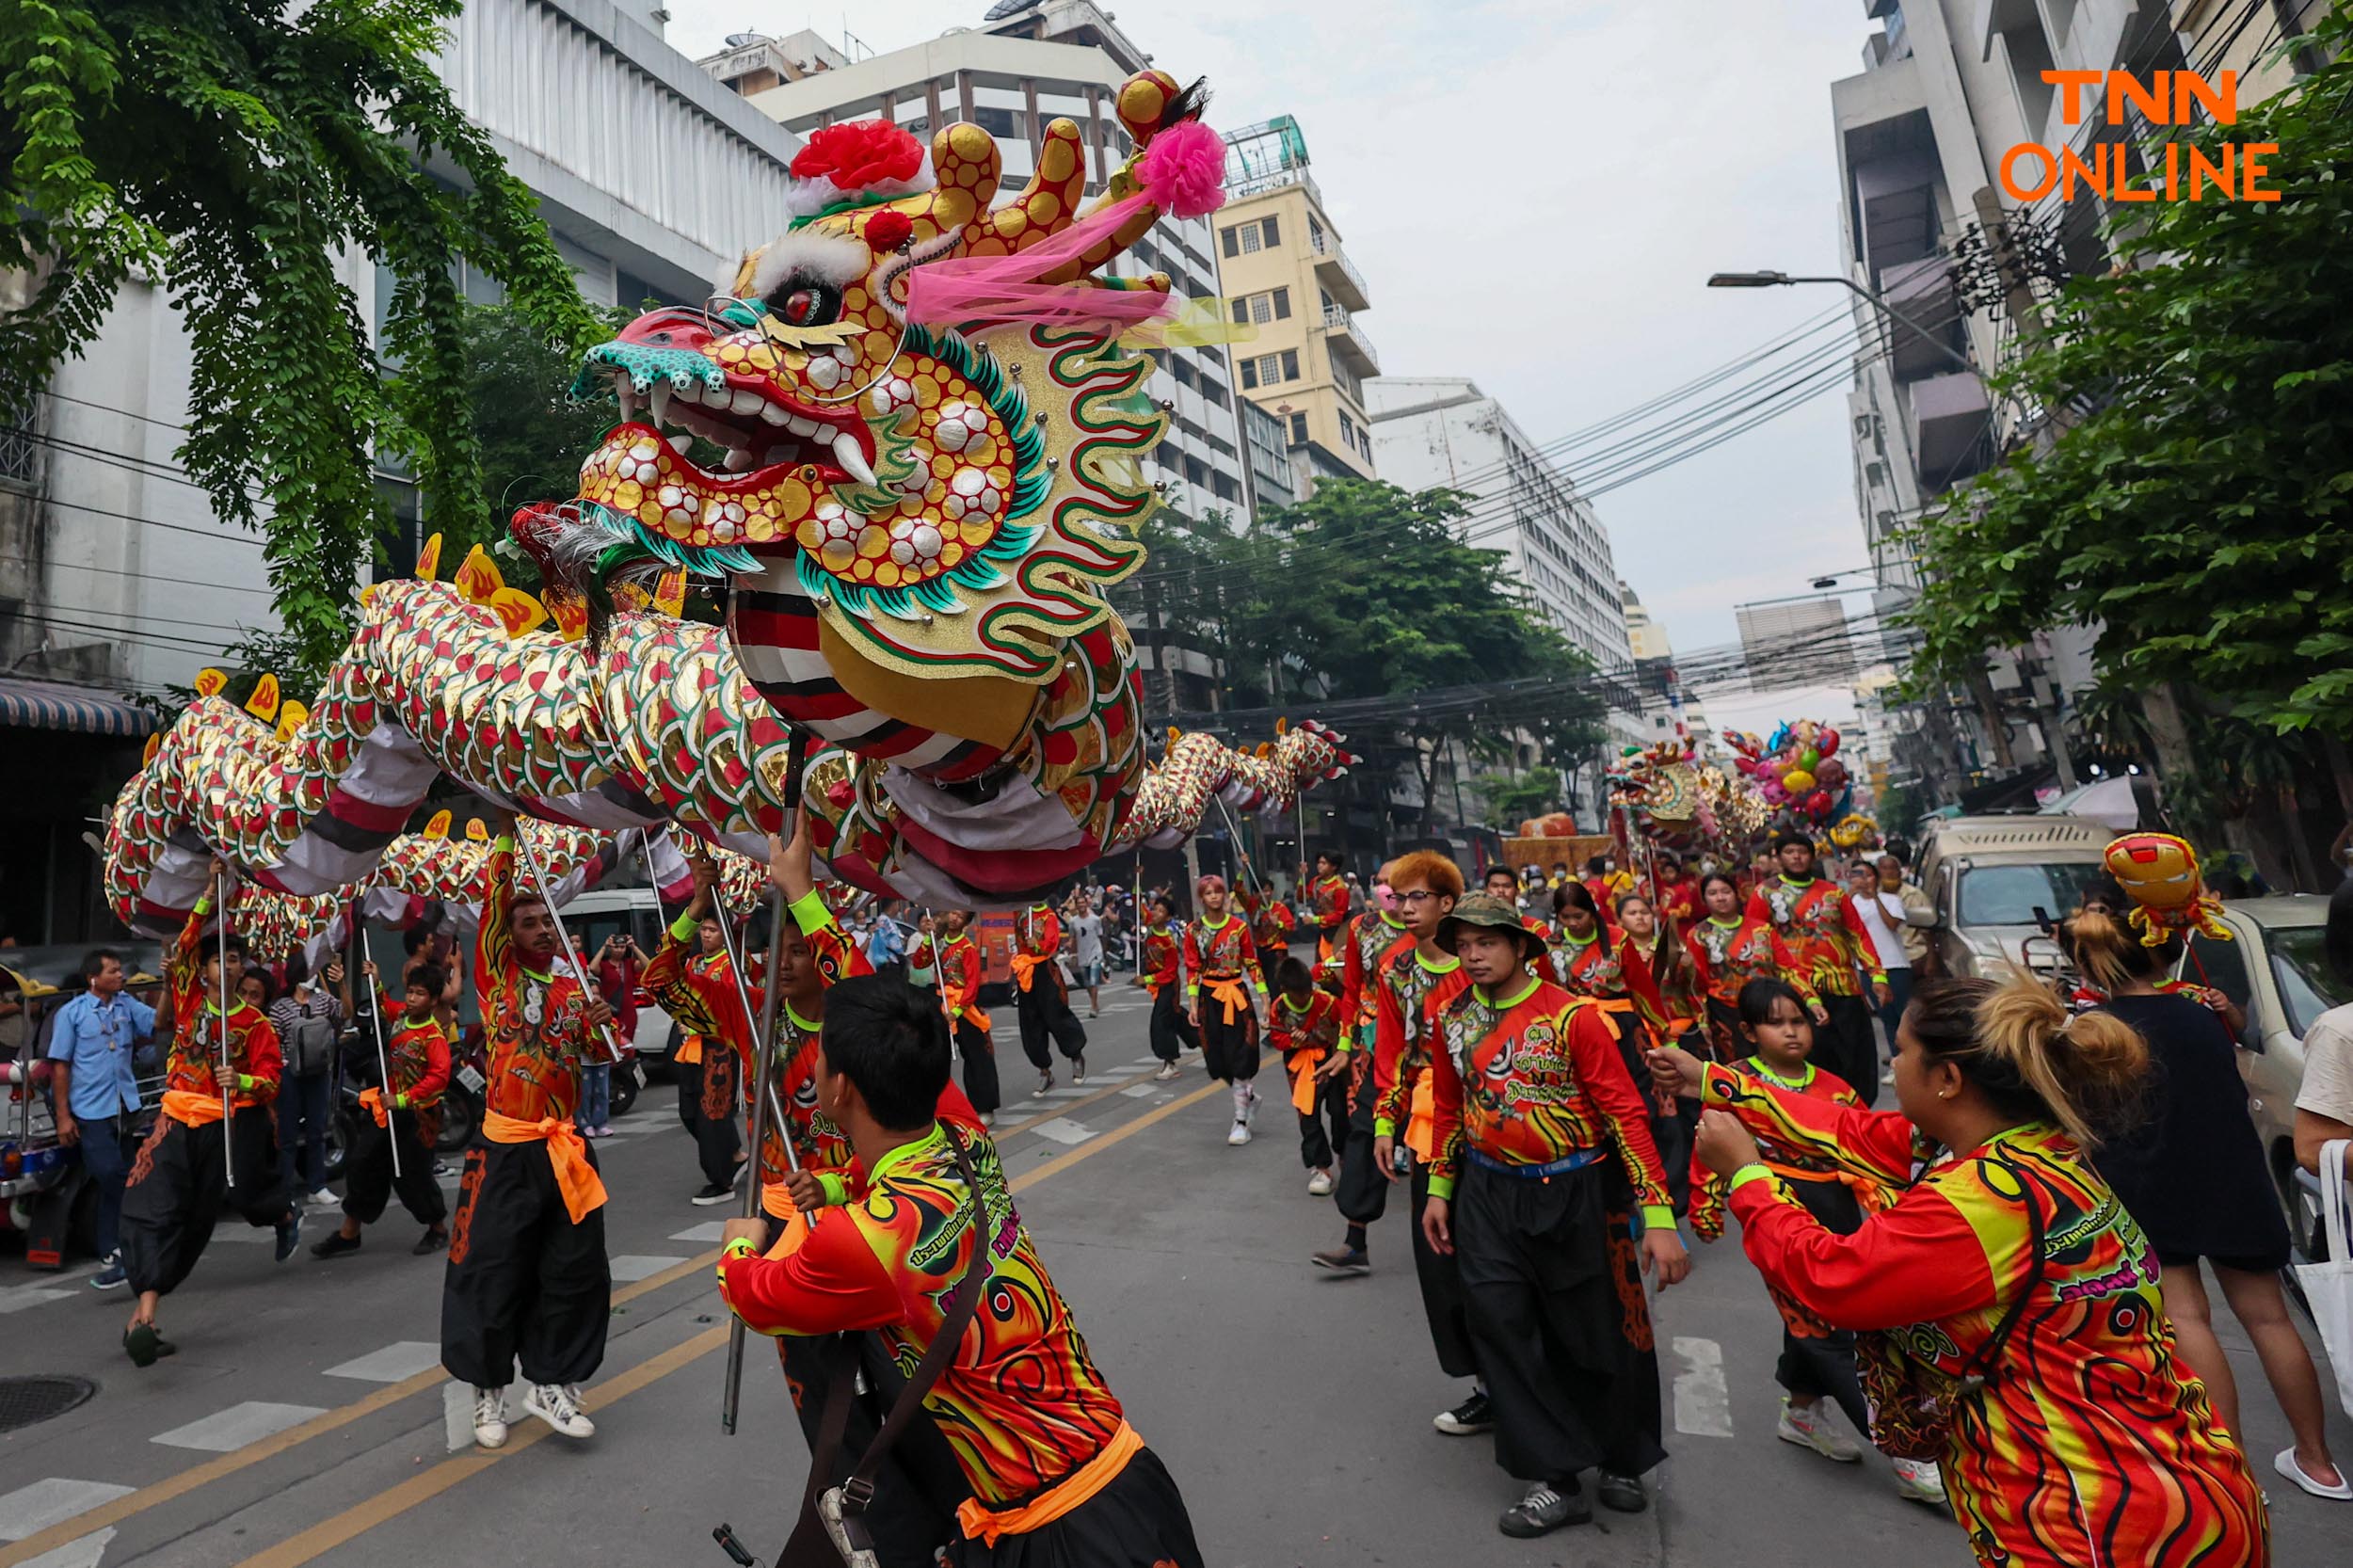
(303, 1419)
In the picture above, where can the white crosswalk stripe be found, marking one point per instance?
(711, 1232)
(30, 1510)
(403, 1359)
(227, 1431)
(636, 1266)
(1062, 1130)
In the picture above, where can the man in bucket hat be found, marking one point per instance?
(1543, 1159)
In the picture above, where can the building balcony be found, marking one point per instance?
(1921, 292)
(1337, 274)
(1346, 338)
(1951, 429)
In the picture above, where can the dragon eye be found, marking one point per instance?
(805, 302)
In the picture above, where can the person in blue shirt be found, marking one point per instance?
(95, 1088)
(889, 943)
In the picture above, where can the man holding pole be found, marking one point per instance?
(527, 1273)
(393, 1152)
(212, 1146)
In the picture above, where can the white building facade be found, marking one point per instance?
(1012, 77)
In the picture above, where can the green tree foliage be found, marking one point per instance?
(1512, 798)
(243, 154)
(2198, 501)
(531, 434)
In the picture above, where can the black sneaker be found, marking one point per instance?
(1343, 1261)
(716, 1193)
(433, 1240)
(1467, 1419)
(1622, 1494)
(1544, 1509)
(289, 1234)
(336, 1245)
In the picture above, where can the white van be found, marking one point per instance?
(601, 912)
(1991, 876)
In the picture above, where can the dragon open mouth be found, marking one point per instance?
(758, 431)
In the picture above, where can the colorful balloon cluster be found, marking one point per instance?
(1797, 773)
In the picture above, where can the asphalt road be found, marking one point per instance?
(303, 1419)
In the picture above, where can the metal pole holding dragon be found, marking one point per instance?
(224, 1073)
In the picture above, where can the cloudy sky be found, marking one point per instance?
(1535, 191)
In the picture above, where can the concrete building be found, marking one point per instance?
(115, 577)
(1023, 67)
(1284, 271)
(1670, 711)
(1797, 642)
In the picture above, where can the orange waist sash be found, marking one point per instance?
(1302, 1064)
(1421, 1122)
(1025, 969)
(190, 1109)
(986, 1524)
(1227, 989)
(568, 1154)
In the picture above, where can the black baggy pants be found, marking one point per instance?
(1554, 1291)
(1228, 1050)
(178, 1187)
(717, 1142)
(368, 1180)
(979, 1066)
(1443, 1299)
(523, 1280)
(1323, 1130)
(918, 1485)
(1362, 1192)
(1044, 1010)
(1138, 1519)
(1847, 1047)
(1172, 1033)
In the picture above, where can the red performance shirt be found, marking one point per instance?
(960, 969)
(1022, 1403)
(1315, 1027)
(418, 1054)
(1411, 989)
(1223, 951)
(1162, 949)
(2090, 1443)
(193, 1064)
(1272, 923)
(1536, 1079)
(1363, 947)
(1329, 897)
(1827, 941)
(534, 1026)
(1037, 933)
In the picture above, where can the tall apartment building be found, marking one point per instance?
(1670, 711)
(1288, 276)
(1442, 430)
(115, 577)
(1025, 66)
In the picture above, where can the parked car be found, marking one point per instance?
(1991, 877)
(2275, 972)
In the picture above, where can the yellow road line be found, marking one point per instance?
(269, 1448)
(386, 1506)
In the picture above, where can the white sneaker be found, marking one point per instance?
(1168, 1071)
(559, 1405)
(1917, 1480)
(1810, 1429)
(324, 1199)
(1240, 1134)
(988, 1118)
(1320, 1185)
(489, 1416)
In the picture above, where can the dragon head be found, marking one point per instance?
(900, 462)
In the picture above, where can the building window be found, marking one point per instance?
(1316, 241)
(1282, 300)
(1261, 308)
(996, 123)
(1273, 236)
(1229, 240)
(1348, 433)
(1298, 429)
(1180, 370)
(1250, 239)
(1224, 487)
(1212, 389)
(1291, 364)
(1250, 376)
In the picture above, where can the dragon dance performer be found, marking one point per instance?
(1172, 1033)
(416, 1051)
(1271, 924)
(917, 1490)
(1818, 1362)
(1057, 1473)
(1219, 957)
(1728, 950)
(960, 971)
(1327, 897)
(1041, 1001)
(708, 1079)
(179, 1181)
(923, 956)
(527, 1276)
(1415, 982)
(2007, 1281)
(1305, 1025)
(1543, 1156)
(1362, 1192)
(1829, 945)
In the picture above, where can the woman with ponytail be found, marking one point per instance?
(2191, 1171)
(2016, 1331)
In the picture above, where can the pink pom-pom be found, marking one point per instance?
(1184, 170)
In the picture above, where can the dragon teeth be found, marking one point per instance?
(748, 402)
(681, 441)
(852, 460)
(774, 413)
(660, 403)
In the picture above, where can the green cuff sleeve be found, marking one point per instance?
(1747, 1174)
(835, 1186)
(1656, 1216)
(739, 1248)
(505, 841)
(1260, 988)
(1384, 1128)
(245, 1082)
(684, 927)
(809, 912)
(1442, 1187)
(204, 904)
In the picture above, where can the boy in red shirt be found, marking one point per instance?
(408, 1108)
(1305, 1025)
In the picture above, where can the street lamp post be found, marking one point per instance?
(1778, 280)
